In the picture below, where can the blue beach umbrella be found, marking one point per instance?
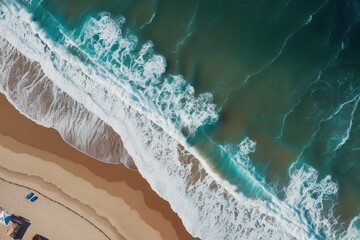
(5, 217)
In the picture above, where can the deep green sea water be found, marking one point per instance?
(283, 74)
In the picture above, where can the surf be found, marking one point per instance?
(127, 90)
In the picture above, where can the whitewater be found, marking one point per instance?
(113, 106)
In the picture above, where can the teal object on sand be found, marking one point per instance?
(33, 199)
(29, 195)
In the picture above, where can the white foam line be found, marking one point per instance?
(277, 209)
(97, 109)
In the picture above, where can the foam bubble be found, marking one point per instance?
(314, 199)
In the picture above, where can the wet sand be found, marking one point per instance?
(131, 209)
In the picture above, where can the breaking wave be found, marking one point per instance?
(97, 84)
(35, 96)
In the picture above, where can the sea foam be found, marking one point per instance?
(35, 96)
(129, 93)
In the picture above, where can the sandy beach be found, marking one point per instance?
(47, 216)
(79, 197)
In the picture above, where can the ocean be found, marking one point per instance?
(243, 115)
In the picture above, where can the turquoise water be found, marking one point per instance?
(283, 74)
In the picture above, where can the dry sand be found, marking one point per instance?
(45, 216)
(112, 201)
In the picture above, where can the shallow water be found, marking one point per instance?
(283, 75)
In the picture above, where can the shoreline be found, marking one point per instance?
(115, 180)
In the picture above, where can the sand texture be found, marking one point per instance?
(77, 194)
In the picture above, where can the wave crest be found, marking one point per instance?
(128, 91)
